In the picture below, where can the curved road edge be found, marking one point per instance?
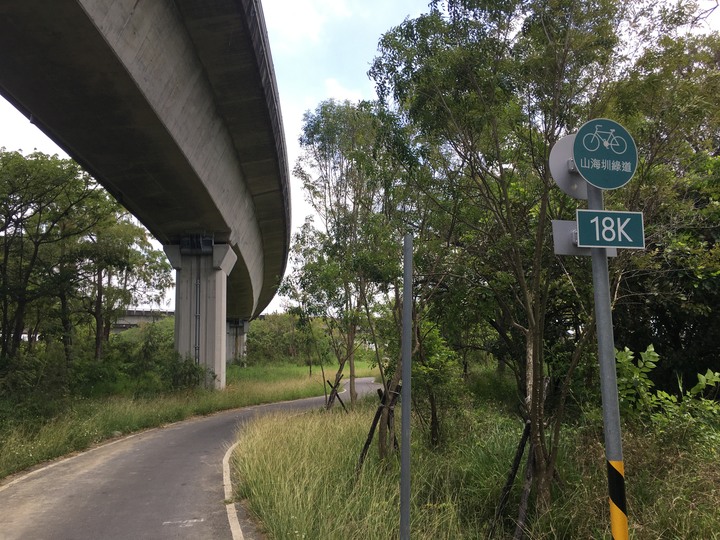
(235, 528)
(165, 482)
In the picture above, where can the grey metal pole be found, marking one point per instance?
(406, 377)
(608, 381)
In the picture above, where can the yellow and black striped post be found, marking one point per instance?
(618, 506)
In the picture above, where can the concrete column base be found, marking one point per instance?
(201, 304)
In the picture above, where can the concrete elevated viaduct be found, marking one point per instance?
(172, 106)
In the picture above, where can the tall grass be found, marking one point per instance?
(300, 480)
(672, 486)
(86, 422)
(298, 475)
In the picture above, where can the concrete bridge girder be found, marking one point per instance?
(153, 45)
(172, 106)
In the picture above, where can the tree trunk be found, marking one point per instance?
(351, 361)
(505, 495)
(542, 467)
(385, 419)
(371, 326)
(371, 433)
(18, 326)
(67, 328)
(333, 392)
(529, 376)
(525, 497)
(4, 282)
(434, 420)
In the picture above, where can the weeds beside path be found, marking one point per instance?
(26, 442)
(300, 481)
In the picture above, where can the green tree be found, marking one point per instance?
(343, 262)
(279, 337)
(496, 85)
(490, 87)
(667, 295)
(120, 268)
(44, 201)
(68, 251)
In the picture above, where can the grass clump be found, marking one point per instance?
(671, 486)
(299, 476)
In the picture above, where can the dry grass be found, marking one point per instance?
(298, 474)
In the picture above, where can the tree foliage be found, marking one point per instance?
(473, 96)
(72, 260)
(496, 85)
(673, 285)
(342, 265)
(288, 337)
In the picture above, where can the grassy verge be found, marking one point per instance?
(299, 478)
(292, 371)
(90, 421)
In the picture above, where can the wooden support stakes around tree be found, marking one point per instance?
(393, 400)
(510, 479)
(334, 394)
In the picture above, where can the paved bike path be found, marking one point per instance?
(165, 483)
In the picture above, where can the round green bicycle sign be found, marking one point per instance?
(605, 154)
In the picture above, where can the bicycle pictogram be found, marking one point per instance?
(608, 139)
(605, 154)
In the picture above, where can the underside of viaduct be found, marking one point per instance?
(172, 106)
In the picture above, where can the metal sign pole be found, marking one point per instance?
(405, 392)
(608, 382)
(604, 154)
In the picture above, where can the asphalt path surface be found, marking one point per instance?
(159, 484)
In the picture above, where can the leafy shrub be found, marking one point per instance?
(148, 363)
(38, 383)
(91, 378)
(283, 338)
(681, 417)
(634, 383)
(437, 382)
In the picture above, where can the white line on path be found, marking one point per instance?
(229, 505)
(235, 528)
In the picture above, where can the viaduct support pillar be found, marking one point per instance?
(237, 341)
(201, 275)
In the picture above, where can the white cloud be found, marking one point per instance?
(334, 89)
(294, 25)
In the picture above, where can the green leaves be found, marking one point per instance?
(709, 381)
(68, 252)
(659, 407)
(634, 383)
